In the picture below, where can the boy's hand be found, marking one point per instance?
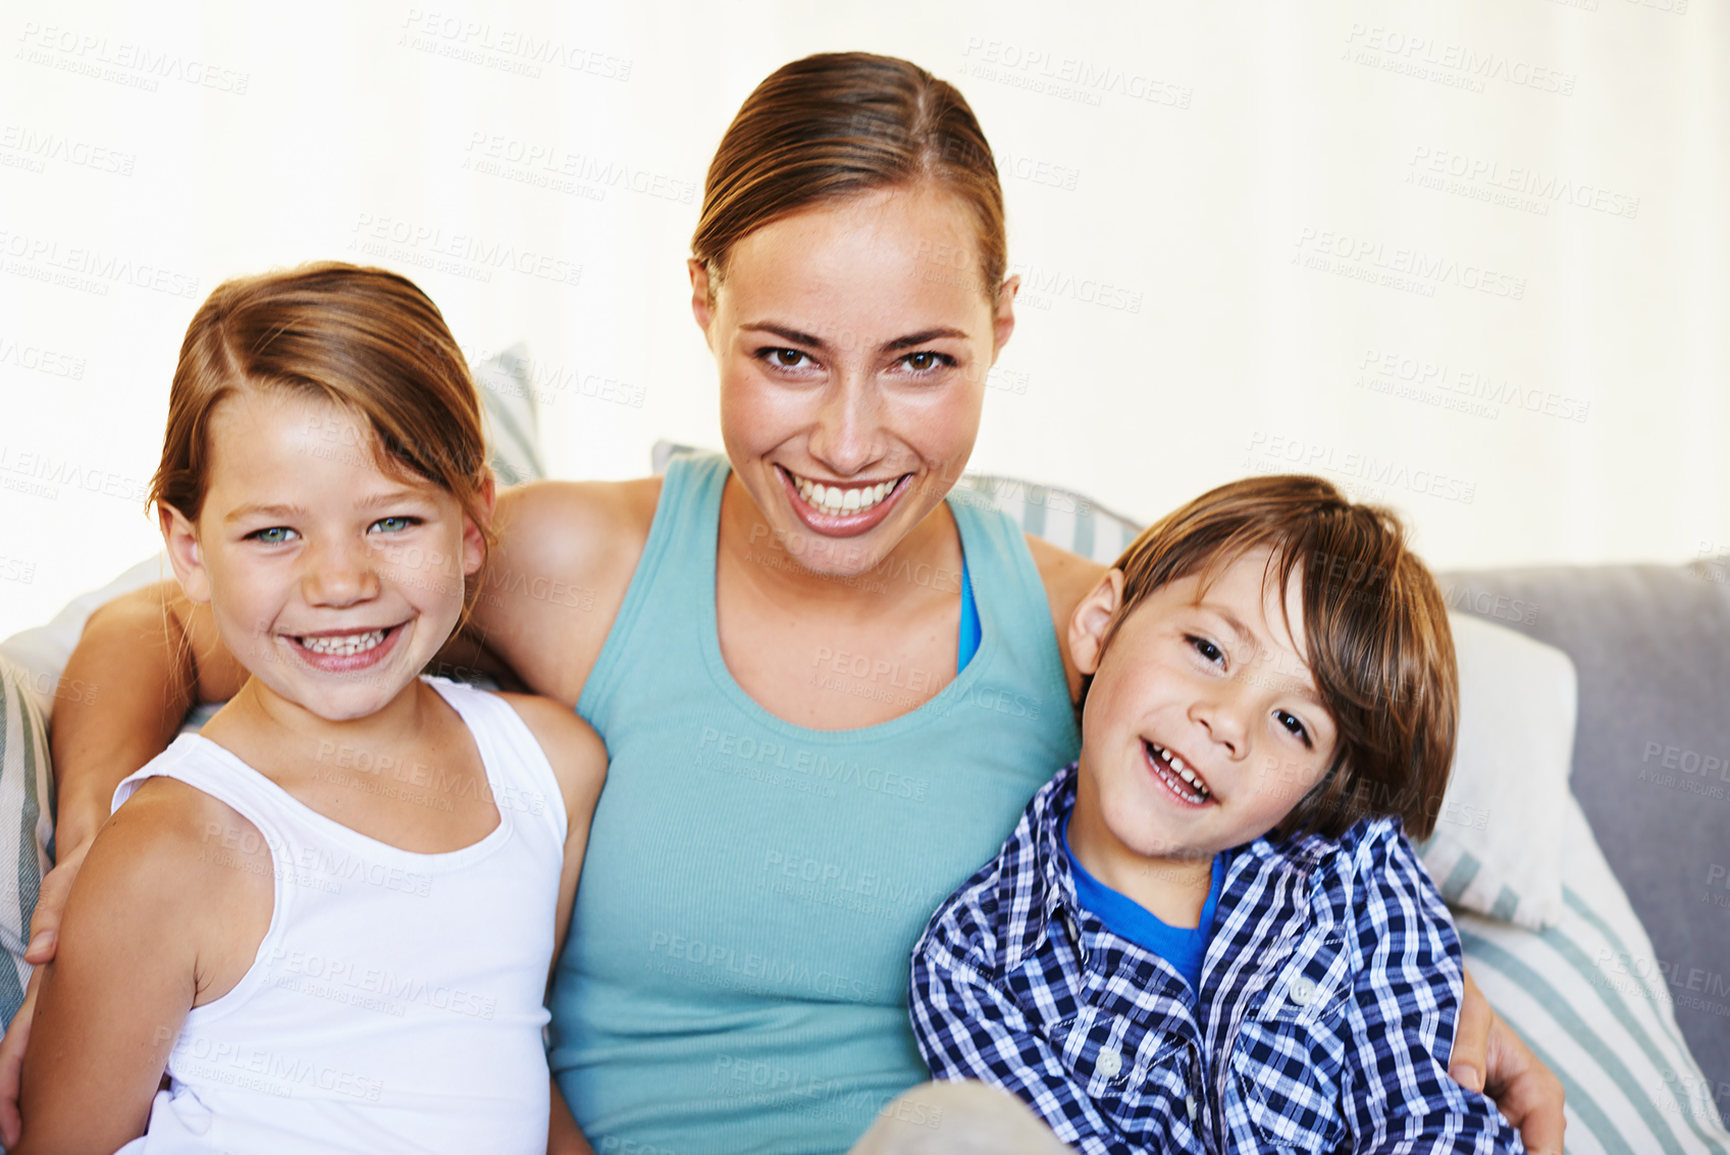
(1523, 1088)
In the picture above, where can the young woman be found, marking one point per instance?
(827, 687)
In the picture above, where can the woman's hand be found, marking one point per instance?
(1523, 1088)
(44, 940)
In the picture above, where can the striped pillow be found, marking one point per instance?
(1588, 997)
(26, 825)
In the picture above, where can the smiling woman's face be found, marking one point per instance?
(853, 342)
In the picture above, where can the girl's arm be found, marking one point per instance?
(127, 971)
(579, 761)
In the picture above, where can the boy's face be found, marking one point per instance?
(1203, 727)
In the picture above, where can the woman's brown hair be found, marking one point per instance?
(838, 125)
(1375, 630)
(362, 338)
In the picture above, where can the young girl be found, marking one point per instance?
(328, 916)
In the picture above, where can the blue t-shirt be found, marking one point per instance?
(1181, 946)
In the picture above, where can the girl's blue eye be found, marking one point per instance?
(395, 524)
(1207, 649)
(1294, 725)
(275, 535)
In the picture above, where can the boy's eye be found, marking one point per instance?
(275, 535)
(1207, 649)
(1294, 725)
(395, 524)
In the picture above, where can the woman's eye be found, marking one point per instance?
(1207, 649)
(395, 524)
(926, 361)
(783, 358)
(1294, 725)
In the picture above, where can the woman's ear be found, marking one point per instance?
(702, 296)
(1092, 618)
(184, 554)
(1003, 315)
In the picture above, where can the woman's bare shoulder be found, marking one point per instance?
(565, 556)
(1067, 578)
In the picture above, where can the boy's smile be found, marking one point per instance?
(1202, 729)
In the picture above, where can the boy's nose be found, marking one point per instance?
(1223, 718)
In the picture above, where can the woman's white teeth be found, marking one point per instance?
(832, 499)
(1190, 777)
(344, 644)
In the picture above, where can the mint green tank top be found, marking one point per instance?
(735, 978)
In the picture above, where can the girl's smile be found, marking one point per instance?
(331, 580)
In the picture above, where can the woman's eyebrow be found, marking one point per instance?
(799, 337)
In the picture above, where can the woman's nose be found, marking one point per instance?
(847, 431)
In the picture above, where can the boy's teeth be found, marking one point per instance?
(344, 644)
(1189, 776)
(832, 499)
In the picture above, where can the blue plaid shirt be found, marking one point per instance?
(1329, 994)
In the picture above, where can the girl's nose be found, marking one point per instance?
(339, 576)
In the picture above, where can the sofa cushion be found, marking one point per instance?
(1651, 766)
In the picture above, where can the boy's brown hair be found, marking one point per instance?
(1375, 628)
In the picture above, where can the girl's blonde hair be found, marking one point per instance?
(362, 338)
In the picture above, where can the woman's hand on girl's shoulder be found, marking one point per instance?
(565, 555)
(152, 917)
(579, 761)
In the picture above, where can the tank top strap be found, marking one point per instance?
(204, 765)
(676, 574)
(522, 780)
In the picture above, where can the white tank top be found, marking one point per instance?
(396, 1002)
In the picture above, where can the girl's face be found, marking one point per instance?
(1202, 727)
(853, 342)
(332, 582)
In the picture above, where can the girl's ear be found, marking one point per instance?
(184, 554)
(1093, 616)
(474, 535)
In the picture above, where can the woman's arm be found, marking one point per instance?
(113, 1001)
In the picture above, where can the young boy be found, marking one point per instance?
(1210, 933)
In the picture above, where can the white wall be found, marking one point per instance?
(1204, 200)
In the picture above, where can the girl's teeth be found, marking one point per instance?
(834, 500)
(344, 645)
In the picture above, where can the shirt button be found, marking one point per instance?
(1074, 931)
(1303, 991)
(1110, 1063)
(1189, 1105)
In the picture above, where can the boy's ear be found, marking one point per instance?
(1092, 617)
(184, 554)
(474, 536)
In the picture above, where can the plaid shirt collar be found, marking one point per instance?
(1043, 866)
